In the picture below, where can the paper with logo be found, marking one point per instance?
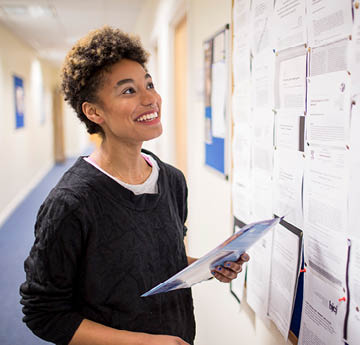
(230, 250)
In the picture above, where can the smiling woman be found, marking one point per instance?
(113, 227)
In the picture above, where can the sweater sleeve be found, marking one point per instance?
(48, 294)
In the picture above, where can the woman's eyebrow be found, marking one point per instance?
(123, 81)
(129, 80)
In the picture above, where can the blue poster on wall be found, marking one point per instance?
(216, 97)
(19, 96)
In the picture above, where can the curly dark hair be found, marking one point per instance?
(85, 66)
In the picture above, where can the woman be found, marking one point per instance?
(113, 227)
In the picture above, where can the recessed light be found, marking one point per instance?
(32, 11)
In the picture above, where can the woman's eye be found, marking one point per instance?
(151, 85)
(129, 90)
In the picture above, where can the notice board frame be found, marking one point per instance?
(217, 148)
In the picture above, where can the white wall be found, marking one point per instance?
(218, 315)
(76, 137)
(27, 153)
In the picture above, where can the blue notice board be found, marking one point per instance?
(214, 150)
(216, 59)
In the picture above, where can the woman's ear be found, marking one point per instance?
(92, 112)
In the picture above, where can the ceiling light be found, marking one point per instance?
(33, 11)
(15, 10)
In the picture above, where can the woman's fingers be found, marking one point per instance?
(230, 270)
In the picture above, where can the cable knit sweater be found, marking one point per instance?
(98, 247)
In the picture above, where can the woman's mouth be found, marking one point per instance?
(147, 117)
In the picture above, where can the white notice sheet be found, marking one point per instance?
(241, 102)
(258, 275)
(323, 312)
(241, 154)
(241, 42)
(285, 264)
(332, 57)
(353, 321)
(242, 202)
(291, 81)
(329, 105)
(290, 15)
(262, 17)
(354, 52)
(288, 182)
(329, 20)
(326, 189)
(354, 191)
(263, 81)
(289, 130)
(218, 99)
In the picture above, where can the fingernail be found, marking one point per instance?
(213, 272)
(227, 265)
(245, 256)
(219, 268)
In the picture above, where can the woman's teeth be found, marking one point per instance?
(147, 117)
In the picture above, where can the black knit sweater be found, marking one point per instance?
(98, 247)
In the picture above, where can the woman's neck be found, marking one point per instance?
(123, 161)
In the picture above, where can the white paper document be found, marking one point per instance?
(354, 52)
(290, 89)
(258, 275)
(241, 42)
(326, 189)
(288, 183)
(241, 103)
(262, 194)
(289, 131)
(263, 81)
(262, 17)
(354, 191)
(290, 15)
(285, 265)
(241, 154)
(242, 201)
(324, 309)
(353, 320)
(218, 99)
(329, 20)
(332, 57)
(329, 105)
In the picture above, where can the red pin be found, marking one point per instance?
(343, 299)
(303, 270)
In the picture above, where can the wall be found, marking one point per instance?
(27, 153)
(218, 315)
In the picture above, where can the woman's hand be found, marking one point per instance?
(230, 270)
(165, 340)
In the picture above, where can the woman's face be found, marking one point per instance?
(130, 107)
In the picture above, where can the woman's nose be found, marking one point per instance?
(148, 97)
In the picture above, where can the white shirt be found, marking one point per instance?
(147, 187)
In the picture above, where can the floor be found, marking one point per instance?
(16, 239)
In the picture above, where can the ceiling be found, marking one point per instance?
(53, 26)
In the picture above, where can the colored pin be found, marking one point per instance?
(343, 299)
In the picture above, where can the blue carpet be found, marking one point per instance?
(16, 239)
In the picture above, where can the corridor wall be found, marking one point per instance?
(27, 152)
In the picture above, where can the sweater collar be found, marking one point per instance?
(106, 186)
